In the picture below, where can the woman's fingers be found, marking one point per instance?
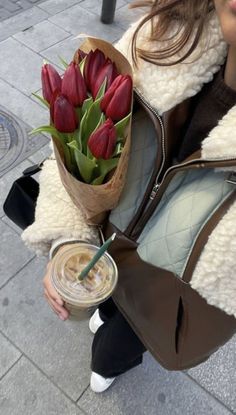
(52, 297)
(52, 292)
(58, 309)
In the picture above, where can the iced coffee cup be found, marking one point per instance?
(82, 297)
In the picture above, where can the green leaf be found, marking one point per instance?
(44, 129)
(73, 144)
(101, 90)
(85, 165)
(100, 122)
(41, 99)
(118, 149)
(121, 125)
(82, 131)
(64, 63)
(104, 167)
(76, 136)
(61, 140)
(86, 105)
(91, 120)
(78, 111)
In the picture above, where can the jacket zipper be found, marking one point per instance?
(157, 183)
(202, 162)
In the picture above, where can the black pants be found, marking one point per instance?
(115, 348)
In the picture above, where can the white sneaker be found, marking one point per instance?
(99, 384)
(95, 322)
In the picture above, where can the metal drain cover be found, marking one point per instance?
(15, 145)
(12, 140)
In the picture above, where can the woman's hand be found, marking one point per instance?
(52, 297)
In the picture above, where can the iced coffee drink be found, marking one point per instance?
(82, 297)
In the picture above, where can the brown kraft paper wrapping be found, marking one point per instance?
(96, 201)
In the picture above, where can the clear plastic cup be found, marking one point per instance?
(82, 297)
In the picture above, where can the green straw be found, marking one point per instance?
(96, 257)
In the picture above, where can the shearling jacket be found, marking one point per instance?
(214, 276)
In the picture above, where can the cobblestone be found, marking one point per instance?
(9, 8)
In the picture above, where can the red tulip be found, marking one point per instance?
(102, 142)
(117, 100)
(109, 71)
(73, 85)
(63, 114)
(80, 55)
(51, 81)
(93, 63)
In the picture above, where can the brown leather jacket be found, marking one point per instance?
(173, 321)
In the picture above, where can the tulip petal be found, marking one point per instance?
(73, 85)
(102, 141)
(51, 81)
(109, 71)
(116, 102)
(65, 119)
(94, 61)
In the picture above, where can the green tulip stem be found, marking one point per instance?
(96, 257)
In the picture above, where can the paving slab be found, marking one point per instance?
(95, 6)
(149, 389)
(78, 20)
(21, 21)
(41, 154)
(39, 157)
(26, 108)
(56, 6)
(24, 63)
(125, 16)
(64, 49)
(26, 391)
(218, 374)
(13, 255)
(41, 36)
(4, 14)
(10, 8)
(9, 354)
(12, 225)
(60, 349)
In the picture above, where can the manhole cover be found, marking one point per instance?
(15, 144)
(13, 140)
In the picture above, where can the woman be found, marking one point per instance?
(185, 70)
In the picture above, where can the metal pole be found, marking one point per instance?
(108, 11)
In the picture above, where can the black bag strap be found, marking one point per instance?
(30, 171)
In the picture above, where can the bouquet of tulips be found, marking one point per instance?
(90, 117)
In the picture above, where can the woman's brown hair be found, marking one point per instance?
(191, 16)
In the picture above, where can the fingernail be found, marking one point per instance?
(61, 317)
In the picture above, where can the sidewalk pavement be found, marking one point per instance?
(44, 363)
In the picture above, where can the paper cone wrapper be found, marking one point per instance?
(96, 201)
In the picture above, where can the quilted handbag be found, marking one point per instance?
(20, 203)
